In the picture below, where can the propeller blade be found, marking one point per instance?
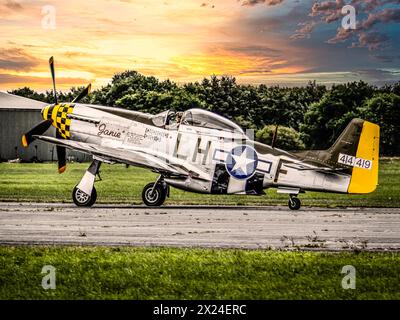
(62, 159)
(41, 128)
(83, 94)
(61, 155)
(53, 76)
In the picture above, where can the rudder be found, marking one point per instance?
(364, 177)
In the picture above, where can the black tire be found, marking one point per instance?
(81, 199)
(157, 198)
(294, 203)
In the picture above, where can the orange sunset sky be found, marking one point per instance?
(257, 41)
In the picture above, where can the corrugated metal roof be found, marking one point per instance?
(10, 101)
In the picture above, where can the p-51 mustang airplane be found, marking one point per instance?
(202, 152)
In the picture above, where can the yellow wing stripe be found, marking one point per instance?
(364, 180)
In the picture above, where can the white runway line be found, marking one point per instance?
(201, 226)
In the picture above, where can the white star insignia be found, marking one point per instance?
(241, 162)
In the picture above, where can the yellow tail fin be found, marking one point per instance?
(364, 178)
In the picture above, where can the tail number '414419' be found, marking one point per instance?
(354, 162)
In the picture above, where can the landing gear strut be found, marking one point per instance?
(84, 193)
(294, 202)
(154, 193)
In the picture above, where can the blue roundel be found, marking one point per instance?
(242, 162)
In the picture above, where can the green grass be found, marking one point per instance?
(42, 183)
(164, 273)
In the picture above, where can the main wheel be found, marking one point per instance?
(154, 198)
(294, 203)
(81, 199)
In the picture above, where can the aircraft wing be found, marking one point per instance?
(139, 158)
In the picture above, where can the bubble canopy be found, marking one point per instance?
(196, 118)
(207, 119)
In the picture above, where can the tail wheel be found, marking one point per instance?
(81, 199)
(154, 197)
(294, 203)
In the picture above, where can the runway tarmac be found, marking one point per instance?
(201, 226)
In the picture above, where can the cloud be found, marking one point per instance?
(384, 58)
(377, 74)
(38, 81)
(371, 5)
(371, 40)
(387, 16)
(342, 35)
(16, 59)
(258, 71)
(74, 54)
(330, 11)
(204, 4)
(13, 5)
(267, 2)
(298, 36)
(304, 31)
(254, 50)
(307, 27)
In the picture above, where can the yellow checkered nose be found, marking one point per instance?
(58, 114)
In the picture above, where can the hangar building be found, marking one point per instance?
(17, 116)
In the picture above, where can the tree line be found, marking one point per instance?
(308, 117)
